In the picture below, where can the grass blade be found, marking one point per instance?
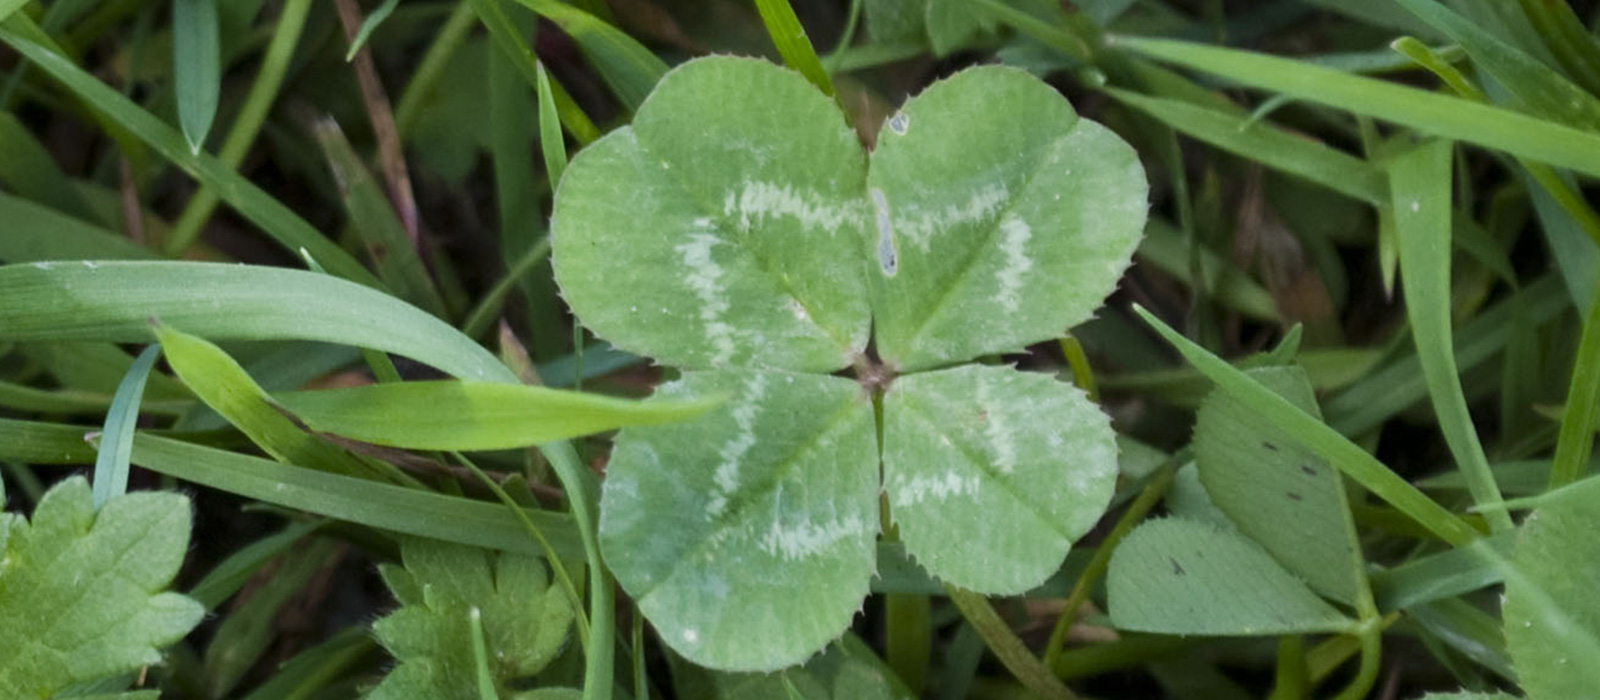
(505, 35)
(1420, 182)
(551, 146)
(1267, 145)
(1318, 437)
(1448, 117)
(113, 301)
(32, 172)
(626, 66)
(451, 415)
(274, 219)
(34, 233)
(116, 440)
(793, 44)
(1576, 439)
(196, 67)
(368, 25)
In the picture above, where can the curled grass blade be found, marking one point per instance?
(1420, 183)
(1449, 117)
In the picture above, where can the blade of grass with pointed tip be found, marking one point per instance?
(114, 301)
(1266, 144)
(1420, 183)
(551, 145)
(274, 219)
(34, 232)
(790, 37)
(1314, 434)
(116, 439)
(626, 66)
(223, 385)
(196, 67)
(375, 222)
(453, 415)
(368, 25)
(1450, 117)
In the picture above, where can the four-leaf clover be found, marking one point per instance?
(737, 231)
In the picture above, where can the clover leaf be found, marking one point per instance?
(736, 230)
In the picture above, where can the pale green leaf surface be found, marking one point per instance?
(453, 415)
(1002, 219)
(524, 620)
(1280, 494)
(1552, 617)
(114, 301)
(951, 23)
(896, 20)
(116, 440)
(742, 224)
(196, 67)
(992, 473)
(746, 535)
(79, 590)
(223, 385)
(1176, 576)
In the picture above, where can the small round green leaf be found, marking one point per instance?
(747, 535)
(1001, 218)
(734, 207)
(993, 473)
(1552, 617)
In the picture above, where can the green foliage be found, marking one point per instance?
(768, 241)
(80, 590)
(441, 588)
(1552, 620)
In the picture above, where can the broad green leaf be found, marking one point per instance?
(896, 20)
(1280, 494)
(274, 219)
(992, 473)
(453, 415)
(1176, 576)
(1449, 117)
(742, 227)
(1002, 219)
(951, 23)
(114, 301)
(116, 440)
(746, 535)
(79, 590)
(196, 67)
(1552, 617)
(1420, 183)
(1269, 145)
(524, 620)
(223, 385)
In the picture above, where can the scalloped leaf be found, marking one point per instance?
(993, 473)
(79, 596)
(1002, 218)
(525, 620)
(740, 230)
(1177, 576)
(747, 535)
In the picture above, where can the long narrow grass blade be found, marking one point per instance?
(113, 301)
(504, 34)
(374, 220)
(34, 233)
(368, 25)
(196, 67)
(116, 440)
(1319, 438)
(1576, 439)
(1492, 127)
(793, 44)
(29, 170)
(551, 145)
(1267, 145)
(234, 572)
(274, 219)
(1420, 182)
